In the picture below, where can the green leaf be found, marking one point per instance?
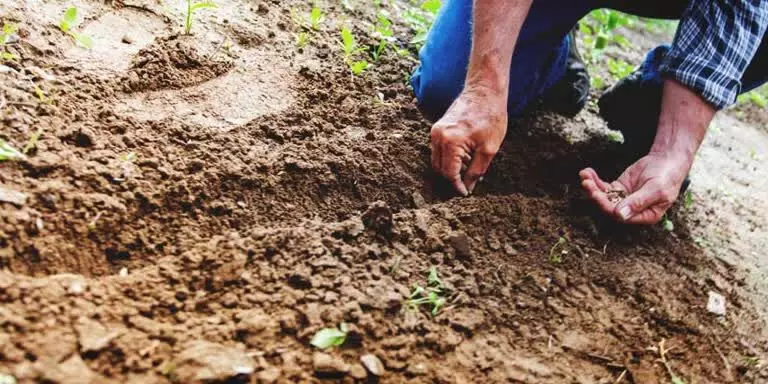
(7, 152)
(316, 17)
(203, 5)
(70, 16)
(668, 225)
(615, 137)
(7, 56)
(329, 337)
(432, 6)
(358, 67)
(433, 280)
(688, 200)
(601, 42)
(82, 40)
(347, 41)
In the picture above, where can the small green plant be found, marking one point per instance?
(302, 39)
(330, 337)
(420, 20)
(667, 224)
(431, 295)
(619, 69)
(598, 31)
(688, 199)
(32, 142)
(558, 250)
(383, 31)
(70, 21)
(6, 33)
(316, 17)
(7, 152)
(615, 137)
(351, 49)
(192, 7)
(755, 97)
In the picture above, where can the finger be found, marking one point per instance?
(591, 174)
(451, 163)
(648, 196)
(598, 196)
(436, 144)
(650, 216)
(480, 163)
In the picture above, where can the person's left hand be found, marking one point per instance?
(650, 185)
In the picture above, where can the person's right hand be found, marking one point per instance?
(469, 134)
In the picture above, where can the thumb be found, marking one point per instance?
(638, 202)
(477, 168)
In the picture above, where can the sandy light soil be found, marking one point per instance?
(198, 207)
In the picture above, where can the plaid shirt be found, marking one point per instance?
(714, 44)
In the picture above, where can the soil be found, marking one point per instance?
(196, 211)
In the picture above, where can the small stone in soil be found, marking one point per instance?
(127, 40)
(716, 303)
(372, 364)
(327, 364)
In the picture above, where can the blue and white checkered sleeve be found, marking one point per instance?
(714, 44)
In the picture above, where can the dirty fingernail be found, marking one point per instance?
(625, 212)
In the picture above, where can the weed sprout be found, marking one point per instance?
(7, 152)
(192, 7)
(431, 296)
(5, 37)
(70, 21)
(350, 48)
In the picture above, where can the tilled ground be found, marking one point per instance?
(196, 210)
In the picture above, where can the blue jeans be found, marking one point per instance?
(541, 53)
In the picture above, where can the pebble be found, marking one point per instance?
(460, 243)
(325, 363)
(372, 364)
(13, 197)
(716, 303)
(203, 361)
(358, 372)
(127, 39)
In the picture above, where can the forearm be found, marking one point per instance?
(496, 28)
(685, 117)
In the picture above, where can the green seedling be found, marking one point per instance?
(754, 97)
(385, 35)
(688, 199)
(330, 337)
(431, 296)
(32, 142)
(70, 21)
(302, 39)
(6, 33)
(420, 20)
(558, 250)
(192, 7)
(619, 69)
(667, 224)
(615, 137)
(316, 17)
(7, 152)
(350, 49)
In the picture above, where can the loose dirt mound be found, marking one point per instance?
(175, 245)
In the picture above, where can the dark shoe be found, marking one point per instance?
(569, 95)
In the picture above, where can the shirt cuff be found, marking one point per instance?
(713, 84)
